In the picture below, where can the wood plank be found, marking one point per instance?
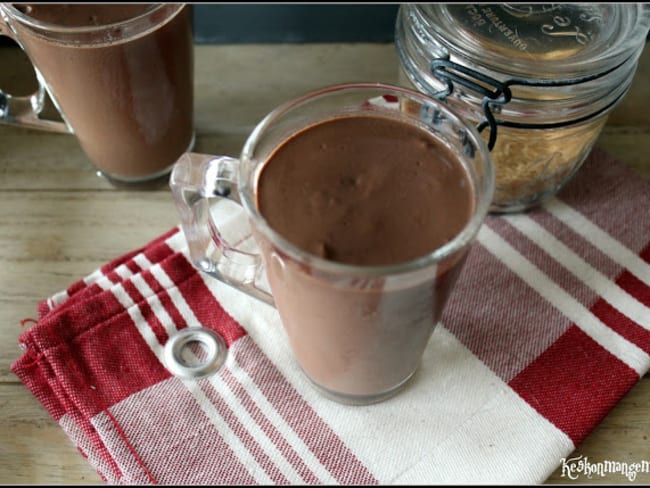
(630, 145)
(41, 161)
(33, 447)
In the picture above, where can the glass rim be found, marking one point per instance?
(83, 29)
(461, 239)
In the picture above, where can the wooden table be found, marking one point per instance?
(59, 221)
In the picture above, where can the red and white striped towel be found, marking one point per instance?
(547, 330)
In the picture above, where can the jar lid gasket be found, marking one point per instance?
(540, 41)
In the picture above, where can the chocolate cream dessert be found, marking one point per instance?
(127, 96)
(363, 190)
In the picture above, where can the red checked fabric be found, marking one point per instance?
(546, 331)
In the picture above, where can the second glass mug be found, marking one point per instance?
(120, 76)
(357, 332)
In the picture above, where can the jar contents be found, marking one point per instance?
(532, 165)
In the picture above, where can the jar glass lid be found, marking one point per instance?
(541, 41)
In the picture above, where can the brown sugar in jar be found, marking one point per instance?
(538, 80)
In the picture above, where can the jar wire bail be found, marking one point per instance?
(498, 93)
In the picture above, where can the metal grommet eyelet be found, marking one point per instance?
(213, 353)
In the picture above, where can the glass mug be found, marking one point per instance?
(358, 332)
(120, 75)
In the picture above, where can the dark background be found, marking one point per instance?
(290, 23)
(275, 23)
(247, 23)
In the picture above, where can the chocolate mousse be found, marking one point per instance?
(128, 95)
(365, 190)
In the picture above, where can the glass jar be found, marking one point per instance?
(538, 80)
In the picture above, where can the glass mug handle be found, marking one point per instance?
(205, 192)
(24, 111)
